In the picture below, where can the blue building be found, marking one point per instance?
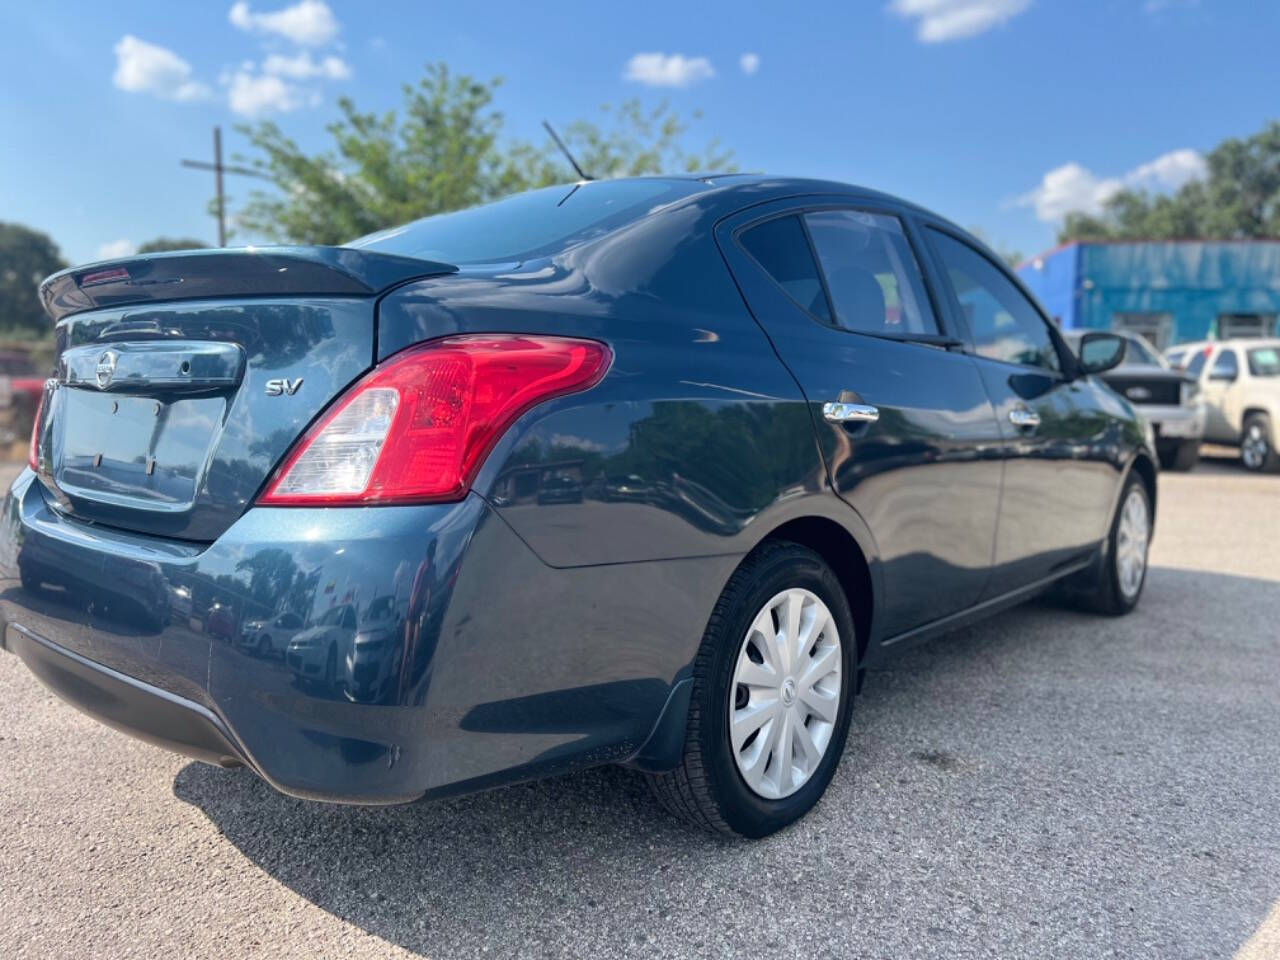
(1169, 292)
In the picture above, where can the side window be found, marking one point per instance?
(1004, 324)
(1196, 364)
(872, 276)
(1226, 366)
(781, 247)
(1175, 359)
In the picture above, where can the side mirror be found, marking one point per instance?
(1227, 375)
(1100, 352)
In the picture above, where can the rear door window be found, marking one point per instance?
(871, 273)
(1264, 362)
(781, 247)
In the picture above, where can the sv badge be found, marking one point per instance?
(283, 387)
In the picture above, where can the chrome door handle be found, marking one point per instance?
(1022, 417)
(850, 412)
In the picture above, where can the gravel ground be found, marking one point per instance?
(1046, 784)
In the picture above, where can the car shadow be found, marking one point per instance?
(590, 859)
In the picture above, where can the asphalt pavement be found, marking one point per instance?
(1045, 784)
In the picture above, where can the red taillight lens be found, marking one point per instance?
(33, 450)
(418, 427)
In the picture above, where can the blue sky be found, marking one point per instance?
(997, 113)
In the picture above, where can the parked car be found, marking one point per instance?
(1168, 398)
(314, 654)
(1239, 382)
(843, 427)
(270, 637)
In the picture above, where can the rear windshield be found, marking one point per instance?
(528, 225)
(1264, 361)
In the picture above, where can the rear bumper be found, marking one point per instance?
(139, 709)
(495, 669)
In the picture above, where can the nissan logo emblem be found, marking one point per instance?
(106, 369)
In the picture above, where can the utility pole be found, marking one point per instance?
(219, 168)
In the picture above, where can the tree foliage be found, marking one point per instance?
(1240, 198)
(162, 244)
(26, 257)
(442, 151)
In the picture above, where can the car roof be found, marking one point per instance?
(765, 186)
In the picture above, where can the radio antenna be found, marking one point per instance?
(565, 150)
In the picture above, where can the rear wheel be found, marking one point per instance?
(772, 697)
(1124, 572)
(1257, 452)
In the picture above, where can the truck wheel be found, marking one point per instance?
(1183, 457)
(772, 697)
(1257, 452)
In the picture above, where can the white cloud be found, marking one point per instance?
(1073, 188)
(667, 70)
(143, 67)
(749, 62)
(302, 67)
(943, 20)
(115, 249)
(309, 23)
(250, 94)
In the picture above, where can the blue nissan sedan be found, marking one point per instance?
(644, 471)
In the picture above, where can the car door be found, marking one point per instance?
(1059, 479)
(906, 428)
(1223, 419)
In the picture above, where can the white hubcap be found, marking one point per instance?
(786, 693)
(1131, 543)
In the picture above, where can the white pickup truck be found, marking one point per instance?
(1240, 388)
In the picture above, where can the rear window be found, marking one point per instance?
(1139, 354)
(527, 225)
(1196, 363)
(781, 247)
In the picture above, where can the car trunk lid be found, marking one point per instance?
(182, 380)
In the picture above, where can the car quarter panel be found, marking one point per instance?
(696, 442)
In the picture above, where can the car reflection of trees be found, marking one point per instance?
(672, 459)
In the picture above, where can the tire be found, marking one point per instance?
(264, 646)
(1257, 451)
(1182, 457)
(709, 788)
(1115, 594)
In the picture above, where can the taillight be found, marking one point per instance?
(33, 449)
(418, 427)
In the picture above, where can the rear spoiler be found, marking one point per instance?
(246, 272)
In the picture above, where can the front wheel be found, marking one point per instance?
(1257, 452)
(772, 697)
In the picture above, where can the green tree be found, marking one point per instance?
(443, 151)
(26, 257)
(162, 244)
(1239, 198)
